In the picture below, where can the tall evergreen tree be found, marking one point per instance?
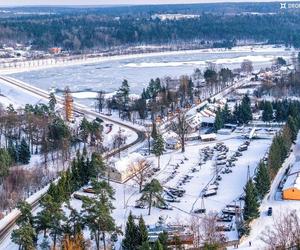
(218, 124)
(24, 154)
(157, 246)
(131, 239)
(11, 149)
(152, 194)
(24, 236)
(52, 102)
(158, 148)
(262, 180)
(97, 212)
(267, 114)
(142, 232)
(293, 128)
(163, 239)
(251, 203)
(5, 163)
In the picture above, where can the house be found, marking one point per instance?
(291, 187)
(172, 140)
(121, 170)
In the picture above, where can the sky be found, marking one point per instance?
(114, 2)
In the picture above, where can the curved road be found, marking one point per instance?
(6, 229)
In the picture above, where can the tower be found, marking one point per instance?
(68, 103)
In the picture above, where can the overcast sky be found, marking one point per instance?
(113, 2)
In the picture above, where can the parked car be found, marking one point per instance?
(200, 211)
(210, 192)
(243, 148)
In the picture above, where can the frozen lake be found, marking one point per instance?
(107, 75)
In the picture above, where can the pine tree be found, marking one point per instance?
(262, 180)
(163, 239)
(50, 218)
(131, 239)
(267, 114)
(157, 246)
(11, 149)
(24, 152)
(158, 148)
(5, 162)
(24, 236)
(293, 128)
(226, 114)
(97, 165)
(97, 212)
(218, 124)
(145, 246)
(52, 102)
(251, 203)
(152, 194)
(142, 232)
(25, 210)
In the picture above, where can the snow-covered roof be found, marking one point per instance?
(123, 164)
(170, 135)
(210, 119)
(293, 180)
(211, 136)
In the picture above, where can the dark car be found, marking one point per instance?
(270, 211)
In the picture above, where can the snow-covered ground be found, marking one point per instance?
(273, 199)
(230, 187)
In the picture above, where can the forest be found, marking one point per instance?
(103, 28)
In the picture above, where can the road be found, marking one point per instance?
(6, 228)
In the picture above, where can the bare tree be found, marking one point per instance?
(180, 126)
(209, 233)
(285, 232)
(247, 66)
(140, 170)
(100, 100)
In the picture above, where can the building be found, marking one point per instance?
(291, 187)
(172, 140)
(208, 137)
(122, 169)
(55, 50)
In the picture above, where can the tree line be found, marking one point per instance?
(82, 32)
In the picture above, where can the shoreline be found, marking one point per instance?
(35, 65)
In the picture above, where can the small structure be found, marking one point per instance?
(68, 105)
(224, 131)
(55, 50)
(172, 140)
(291, 188)
(208, 137)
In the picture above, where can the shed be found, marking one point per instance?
(208, 137)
